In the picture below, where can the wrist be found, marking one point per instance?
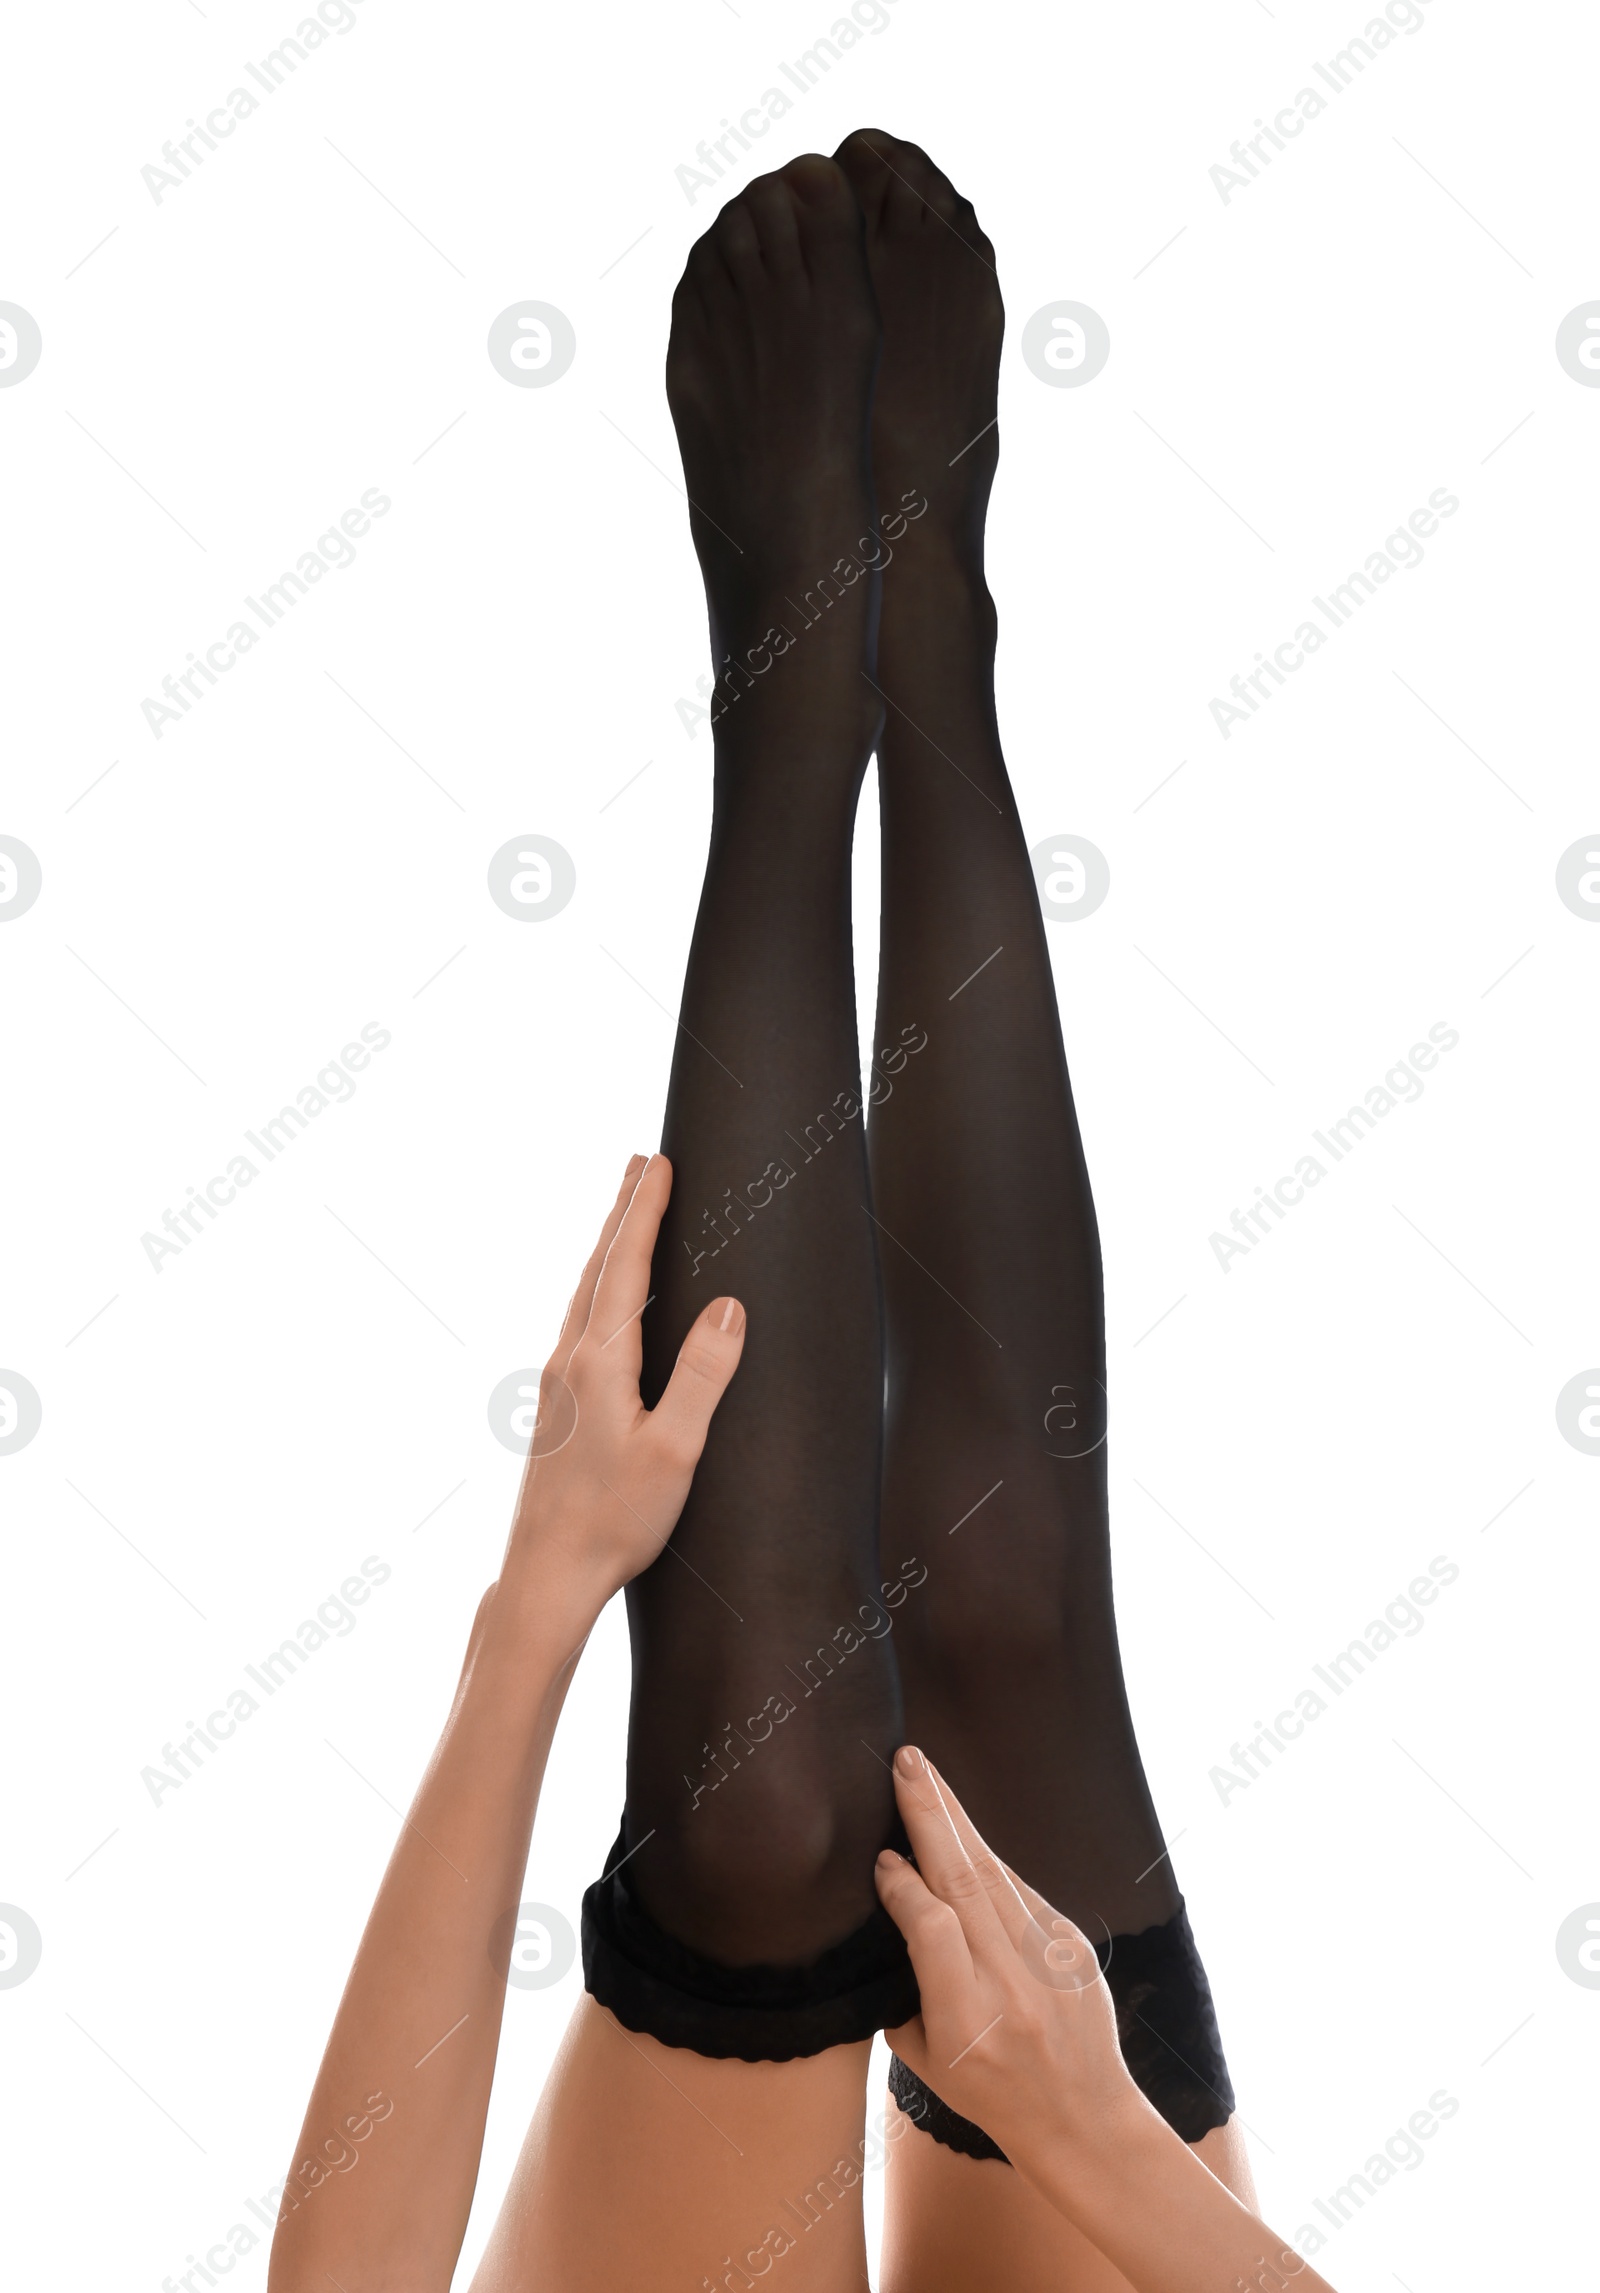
(1098, 2159)
(545, 1606)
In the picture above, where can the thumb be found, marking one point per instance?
(704, 1370)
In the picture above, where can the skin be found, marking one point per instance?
(1018, 2029)
(950, 2219)
(769, 376)
(724, 2163)
(382, 2178)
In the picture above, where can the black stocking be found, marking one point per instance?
(741, 1916)
(773, 1641)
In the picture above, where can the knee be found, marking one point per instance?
(769, 1857)
(1017, 1582)
(759, 1836)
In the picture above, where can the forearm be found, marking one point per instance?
(412, 2052)
(1159, 2215)
(381, 2183)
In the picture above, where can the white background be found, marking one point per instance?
(1373, 1385)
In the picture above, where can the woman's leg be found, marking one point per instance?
(995, 1466)
(649, 2166)
(736, 1954)
(953, 2222)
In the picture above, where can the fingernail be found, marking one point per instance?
(908, 1759)
(635, 1165)
(889, 1860)
(732, 1316)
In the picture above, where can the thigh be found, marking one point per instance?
(954, 2224)
(647, 2166)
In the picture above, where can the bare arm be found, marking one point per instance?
(1018, 2033)
(382, 2179)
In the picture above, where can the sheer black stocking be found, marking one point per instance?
(775, 1637)
(765, 1700)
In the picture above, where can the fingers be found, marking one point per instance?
(623, 1289)
(576, 1318)
(1052, 1949)
(975, 1886)
(1057, 1950)
(996, 1876)
(940, 1955)
(1043, 1910)
(701, 1376)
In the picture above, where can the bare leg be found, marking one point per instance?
(647, 2165)
(951, 2223)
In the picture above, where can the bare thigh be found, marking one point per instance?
(954, 2224)
(649, 2167)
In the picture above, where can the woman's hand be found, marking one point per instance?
(606, 1478)
(1017, 2029)
(605, 1482)
(1017, 2032)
